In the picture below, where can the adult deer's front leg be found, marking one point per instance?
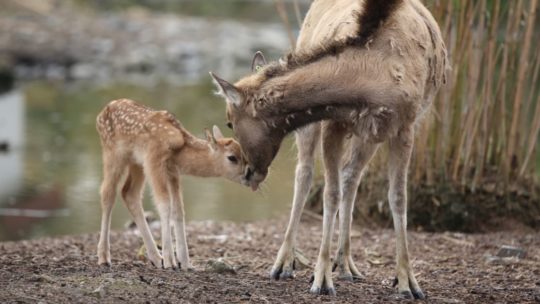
(306, 143)
(351, 174)
(399, 158)
(333, 135)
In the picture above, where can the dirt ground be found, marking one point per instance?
(450, 267)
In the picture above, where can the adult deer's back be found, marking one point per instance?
(331, 20)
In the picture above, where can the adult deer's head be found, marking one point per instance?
(260, 143)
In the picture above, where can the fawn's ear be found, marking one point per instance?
(258, 62)
(211, 139)
(227, 91)
(217, 132)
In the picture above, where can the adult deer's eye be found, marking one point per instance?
(229, 125)
(232, 159)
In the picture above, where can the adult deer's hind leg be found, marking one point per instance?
(351, 174)
(112, 173)
(306, 142)
(400, 150)
(333, 137)
(132, 195)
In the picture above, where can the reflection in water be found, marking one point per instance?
(59, 168)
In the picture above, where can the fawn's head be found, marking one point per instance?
(228, 156)
(259, 142)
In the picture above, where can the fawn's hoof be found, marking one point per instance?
(106, 264)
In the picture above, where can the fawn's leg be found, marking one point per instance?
(351, 175)
(132, 195)
(333, 137)
(182, 255)
(306, 143)
(112, 173)
(400, 150)
(159, 177)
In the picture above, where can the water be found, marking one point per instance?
(50, 175)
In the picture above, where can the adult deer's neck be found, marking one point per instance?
(288, 120)
(316, 93)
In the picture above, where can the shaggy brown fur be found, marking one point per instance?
(363, 66)
(369, 20)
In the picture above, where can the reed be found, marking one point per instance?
(487, 116)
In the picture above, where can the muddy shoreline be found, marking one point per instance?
(450, 267)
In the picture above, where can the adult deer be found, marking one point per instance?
(369, 68)
(138, 141)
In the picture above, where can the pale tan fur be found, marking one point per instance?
(377, 92)
(139, 142)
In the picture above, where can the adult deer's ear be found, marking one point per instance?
(258, 62)
(211, 139)
(227, 90)
(217, 133)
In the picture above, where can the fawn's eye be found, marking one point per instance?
(232, 159)
(229, 125)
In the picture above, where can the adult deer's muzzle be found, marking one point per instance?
(253, 178)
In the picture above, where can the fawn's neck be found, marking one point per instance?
(197, 159)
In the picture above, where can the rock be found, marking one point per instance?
(157, 282)
(220, 239)
(141, 253)
(148, 215)
(495, 260)
(100, 292)
(219, 266)
(41, 278)
(301, 261)
(375, 258)
(510, 251)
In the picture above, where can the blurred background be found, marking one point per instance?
(476, 164)
(62, 61)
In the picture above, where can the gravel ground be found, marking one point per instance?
(451, 268)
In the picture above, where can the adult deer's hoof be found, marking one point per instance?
(347, 270)
(322, 280)
(323, 291)
(412, 292)
(286, 263)
(285, 272)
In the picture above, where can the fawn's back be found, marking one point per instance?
(124, 126)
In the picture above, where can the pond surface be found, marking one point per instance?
(51, 172)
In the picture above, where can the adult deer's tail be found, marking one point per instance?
(373, 14)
